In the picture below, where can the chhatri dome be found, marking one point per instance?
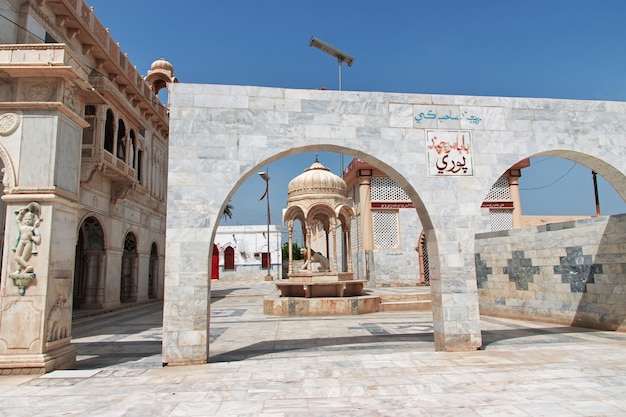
(316, 180)
(160, 75)
(317, 199)
(162, 64)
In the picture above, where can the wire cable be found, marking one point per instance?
(22, 27)
(553, 182)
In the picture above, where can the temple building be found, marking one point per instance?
(392, 248)
(240, 253)
(84, 154)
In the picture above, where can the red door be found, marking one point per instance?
(215, 263)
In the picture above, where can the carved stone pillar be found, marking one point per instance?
(514, 175)
(309, 237)
(91, 277)
(133, 277)
(348, 249)
(365, 209)
(290, 247)
(36, 316)
(101, 278)
(333, 228)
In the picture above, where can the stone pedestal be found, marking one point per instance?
(36, 307)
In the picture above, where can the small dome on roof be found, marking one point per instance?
(317, 179)
(162, 64)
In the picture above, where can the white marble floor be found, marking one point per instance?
(382, 364)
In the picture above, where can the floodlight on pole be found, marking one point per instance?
(341, 58)
(266, 195)
(332, 51)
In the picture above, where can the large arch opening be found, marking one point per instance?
(563, 263)
(403, 203)
(395, 195)
(237, 130)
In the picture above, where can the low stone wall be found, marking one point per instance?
(251, 273)
(572, 273)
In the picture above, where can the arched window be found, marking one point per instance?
(229, 259)
(139, 166)
(109, 131)
(89, 265)
(121, 140)
(133, 149)
(128, 278)
(153, 270)
(89, 131)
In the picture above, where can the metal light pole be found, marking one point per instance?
(332, 51)
(341, 58)
(266, 178)
(595, 192)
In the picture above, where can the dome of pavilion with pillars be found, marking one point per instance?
(317, 198)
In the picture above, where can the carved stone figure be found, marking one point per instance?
(59, 320)
(28, 237)
(316, 257)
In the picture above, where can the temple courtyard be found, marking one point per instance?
(380, 364)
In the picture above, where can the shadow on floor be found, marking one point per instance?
(518, 335)
(220, 294)
(353, 344)
(109, 354)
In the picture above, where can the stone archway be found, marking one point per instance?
(153, 272)
(89, 269)
(128, 274)
(220, 135)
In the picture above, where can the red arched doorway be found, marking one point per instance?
(215, 263)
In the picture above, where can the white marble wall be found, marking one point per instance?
(220, 135)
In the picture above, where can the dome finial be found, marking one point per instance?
(316, 160)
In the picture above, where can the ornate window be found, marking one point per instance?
(501, 220)
(386, 189)
(500, 190)
(386, 234)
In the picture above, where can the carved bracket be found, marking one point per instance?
(22, 281)
(96, 169)
(120, 190)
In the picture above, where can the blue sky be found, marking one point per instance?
(572, 49)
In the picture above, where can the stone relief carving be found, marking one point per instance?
(8, 88)
(9, 123)
(8, 177)
(70, 99)
(59, 319)
(28, 237)
(39, 91)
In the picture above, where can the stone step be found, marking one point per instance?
(389, 298)
(418, 301)
(422, 305)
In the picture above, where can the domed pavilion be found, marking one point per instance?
(317, 198)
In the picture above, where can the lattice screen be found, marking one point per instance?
(425, 262)
(501, 219)
(500, 191)
(355, 234)
(386, 229)
(386, 189)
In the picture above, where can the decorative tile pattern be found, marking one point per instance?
(577, 269)
(482, 270)
(520, 270)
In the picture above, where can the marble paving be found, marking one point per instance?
(381, 364)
